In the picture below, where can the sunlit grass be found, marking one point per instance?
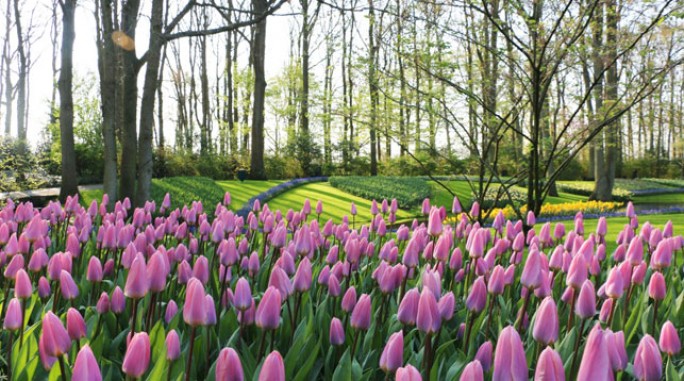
(241, 191)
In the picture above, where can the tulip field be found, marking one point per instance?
(197, 292)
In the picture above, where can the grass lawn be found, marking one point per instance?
(670, 198)
(441, 197)
(240, 192)
(336, 203)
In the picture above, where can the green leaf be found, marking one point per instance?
(670, 372)
(343, 372)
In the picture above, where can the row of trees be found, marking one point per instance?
(521, 89)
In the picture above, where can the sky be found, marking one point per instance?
(85, 54)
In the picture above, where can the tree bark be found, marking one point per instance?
(66, 105)
(21, 77)
(257, 171)
(145, 162)
(373, 87)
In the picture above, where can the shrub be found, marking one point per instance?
(409, 191)
(282, 167)
(496, 197)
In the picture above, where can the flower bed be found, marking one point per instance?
(186, 295)
(408, 191)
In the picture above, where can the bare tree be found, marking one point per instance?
(66, 103)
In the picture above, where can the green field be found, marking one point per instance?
(336, 203)
(240, 192)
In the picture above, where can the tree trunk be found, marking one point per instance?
(108, 98)
(66, 105)
(21, 77)
(145, 162)
(129, 98)
(373, 84)
(257, 171)
(9, 95)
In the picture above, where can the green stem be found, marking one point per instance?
(188, 368)
(62, 369)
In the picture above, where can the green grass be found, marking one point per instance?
(336, 203)
(668, 198)
(441, 197)
(240, 192)
(183, 190)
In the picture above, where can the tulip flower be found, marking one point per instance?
(94, 270)
(172, 343)
(22, 285)
(360, 318)
(393, 355)
(484, 355)
(268, 312)
(336, 332)
(55, 337)
(477, 299)
(86, 367)
(648, 364)
(273, 368)
(669, 339)
(171, 311)
(76, 326)
(428, 318)
(67, 286)
(585, 307)
(13, 316)
(549, 366)
(228, 366)
(595, 364)
(242, 297)
(138, 281)
(349, 300)
(408, 373)
(545, 329)
(194, 308)
(137, 358)
(472, 372)
(408, 308)
(509, 357)
(657, 290)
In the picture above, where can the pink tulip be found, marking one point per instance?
(484, 355)
(614, 284)
(549, 366)
(268, 313)
(472, 372)
(435, 227)
(532, 273)
(586, 301)
(648, 364)
(242, 297)
(446, 306)
(657, 289)
(273, 368)
(137, 358)
(509, 358)
(616, 350)
(577, 273)
(408, 373)
(228, 366)
(303, 277)
(595, 364)
(669, 339)
(336, 332)
(428, 319)
(393, 355)
(76, 326)
(138, 281)
(22, 285)
(210, 310)
(55, 337)
(194, 308)
(94, 270)
(86, 367)
(157, 270)
(172, 343)
(477, 299)
(545, 329)
(13, 316)
(360, 318)
(408, 308)
(171, 311)
(67, 286)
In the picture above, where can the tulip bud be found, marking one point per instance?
(484, 355)
(669, 339)
(13, 316)
(349, 300)
(360, 318)
(657, 289)
(509, 358)
(94, 270)
(408, 308)
(595, 364)
(336, 332)
(67, 286)
(586, 301)
(194, 308)
(22, 285)
(86, 367)
(545, 329)
(103, 304)
(137, 358)
(648, 364)
(549, 366)
(428, 319)
(393, 355)
(408, 373)
(55, 337)
(273, 368)
(228, 366)
(138, 281)
(76, 326)
(268, 312)
(477, 299)
(172, 345)
(472, 372)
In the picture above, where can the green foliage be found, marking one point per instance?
(21, 169)
(283, 167)
(496, 197)
(170, 163)
(409, 191)
(586, 188)
(431, 164)
(185, 190)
